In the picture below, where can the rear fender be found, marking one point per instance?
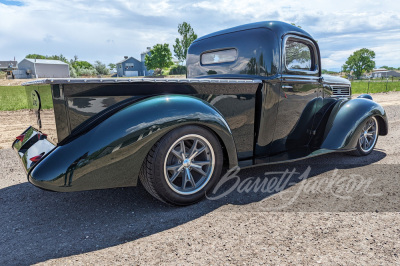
(346, 120)
(111, 154)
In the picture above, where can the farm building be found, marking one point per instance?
(8, 65)
(384, 73)
(42, 68)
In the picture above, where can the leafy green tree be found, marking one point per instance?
(359, 62)
(182, 45)
(51, 57)
(57, 57)
(101, 68)
(112, 66)
(35, 56)
(159, 57)
(388, 68)
(82, 64)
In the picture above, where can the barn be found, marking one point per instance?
(43, 68)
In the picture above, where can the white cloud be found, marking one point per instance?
(108, 30)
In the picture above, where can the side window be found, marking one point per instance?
(298, 55)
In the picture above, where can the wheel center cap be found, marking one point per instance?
(186, 163)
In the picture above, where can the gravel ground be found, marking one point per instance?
(307, 220)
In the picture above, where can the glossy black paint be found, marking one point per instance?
(345, 123)
(234, 101)
(112, 153)
(106, 129)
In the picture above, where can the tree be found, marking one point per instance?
(388, 67)
(82, 64)
(112, 66)
(35, 56)
(182, 45)
(101, 68)
(51, 57)
(359, 62)
(159, 57)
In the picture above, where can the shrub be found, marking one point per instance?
(86, 72)
(177, 70)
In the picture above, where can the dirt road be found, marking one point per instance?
(333, 209)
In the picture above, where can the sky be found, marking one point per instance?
(108, 30)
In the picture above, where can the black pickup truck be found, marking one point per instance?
(254, 94)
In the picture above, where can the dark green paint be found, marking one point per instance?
(105, 130)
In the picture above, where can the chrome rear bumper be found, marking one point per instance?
(31, 147)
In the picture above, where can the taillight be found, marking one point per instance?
(40, 135)
(37, 158)
(21, 137)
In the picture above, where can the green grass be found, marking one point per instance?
(359, 87)
(14, 97)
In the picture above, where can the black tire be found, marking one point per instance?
(368, 138)
(178, 179)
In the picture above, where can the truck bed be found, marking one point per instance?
(76, 101)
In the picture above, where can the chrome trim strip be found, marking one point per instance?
(138, 80)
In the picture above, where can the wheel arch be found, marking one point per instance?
(117, 147)
(345, 122)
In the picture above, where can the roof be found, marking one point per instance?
(46, 61)
(279, 27)
(5, 64)
(120, 62)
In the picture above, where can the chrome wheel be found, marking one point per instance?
(369, 135)
(189, 164)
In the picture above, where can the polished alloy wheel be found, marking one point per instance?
(189, 164)
(369, 135)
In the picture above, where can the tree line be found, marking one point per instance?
(158, 58)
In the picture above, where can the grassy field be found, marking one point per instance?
(359, 87)
(14, 98)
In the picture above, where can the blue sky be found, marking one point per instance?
(11, 3)
(107, 30)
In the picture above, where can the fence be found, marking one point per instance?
(375, 85)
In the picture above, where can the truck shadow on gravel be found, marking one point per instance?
(37, 225)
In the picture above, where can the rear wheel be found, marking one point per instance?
(368, 138)
(183, 165)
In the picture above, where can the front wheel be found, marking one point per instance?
(183, 165)
(368, 137)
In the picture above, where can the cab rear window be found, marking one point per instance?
(218, 57)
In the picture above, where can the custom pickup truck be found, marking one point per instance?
(254, 94)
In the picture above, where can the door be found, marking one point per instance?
(131, 73)
(300, 94)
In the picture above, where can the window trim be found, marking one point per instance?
(314, 56)
(218, 50)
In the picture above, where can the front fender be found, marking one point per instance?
(346, 120)
(111, 154)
